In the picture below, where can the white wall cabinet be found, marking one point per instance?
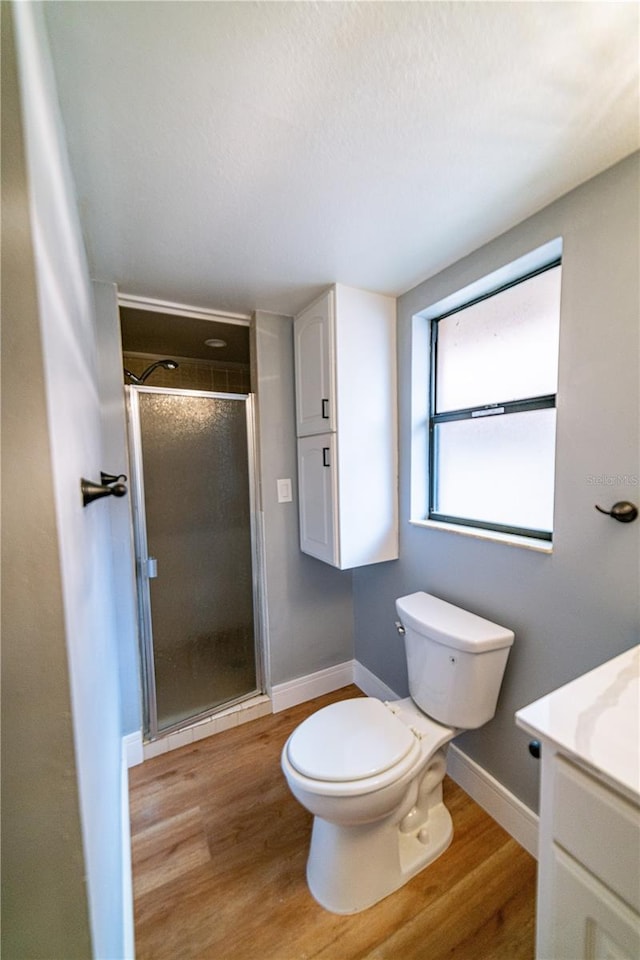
(346, 414)
(316, 480)
(314, 351)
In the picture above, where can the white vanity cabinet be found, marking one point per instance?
(346, 415)
(588, 905)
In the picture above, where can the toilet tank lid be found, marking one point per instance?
(451, 625)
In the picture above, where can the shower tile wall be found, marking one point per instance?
(209, 375)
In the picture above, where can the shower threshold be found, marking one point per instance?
(231, 716)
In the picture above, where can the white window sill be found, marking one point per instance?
(511, 539)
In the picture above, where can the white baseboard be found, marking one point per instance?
(292, 692)
(132, 748)
(372, 685)
(505, 808)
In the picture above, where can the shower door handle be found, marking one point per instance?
(151, 568)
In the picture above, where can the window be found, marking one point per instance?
(492, 416)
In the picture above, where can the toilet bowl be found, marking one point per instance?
(371, 772)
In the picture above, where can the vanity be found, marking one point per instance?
(588, 902)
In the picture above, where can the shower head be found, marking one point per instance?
(167, 364)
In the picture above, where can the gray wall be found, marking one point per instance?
(310, 609)
(66, 316)
(578, 607)
(44, 901)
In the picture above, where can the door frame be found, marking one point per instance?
(145, 630)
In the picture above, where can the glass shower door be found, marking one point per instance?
(193, 474)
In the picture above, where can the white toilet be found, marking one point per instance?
(371, 772)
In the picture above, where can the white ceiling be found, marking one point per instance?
(240, 155)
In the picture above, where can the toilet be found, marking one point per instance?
(371, 772)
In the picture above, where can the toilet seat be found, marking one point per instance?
(364, 724)
(350, 740)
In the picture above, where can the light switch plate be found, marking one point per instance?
(284, 491)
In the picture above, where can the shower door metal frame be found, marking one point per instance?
(138, 508)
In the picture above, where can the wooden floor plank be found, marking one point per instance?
(169, 850)
(219, 849)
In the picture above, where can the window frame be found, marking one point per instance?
(547, 401)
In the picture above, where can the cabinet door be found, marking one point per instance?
(314, 364)
(589, 922)
(316, 492)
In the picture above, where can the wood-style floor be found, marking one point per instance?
(219, 853)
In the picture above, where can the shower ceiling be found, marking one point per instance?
(144, 331)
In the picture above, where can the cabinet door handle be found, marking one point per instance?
(325, 457)
(325, 409)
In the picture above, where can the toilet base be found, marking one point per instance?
(351, 868)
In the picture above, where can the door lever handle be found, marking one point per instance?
(95, 491)
(623, 511)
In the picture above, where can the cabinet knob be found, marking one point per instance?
(534, 749)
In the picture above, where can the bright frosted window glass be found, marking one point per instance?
(498, 470)
(502, 348)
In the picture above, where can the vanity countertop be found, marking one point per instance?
(595, 719)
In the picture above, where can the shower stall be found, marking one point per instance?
(192, 463)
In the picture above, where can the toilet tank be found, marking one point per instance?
(455, 660)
